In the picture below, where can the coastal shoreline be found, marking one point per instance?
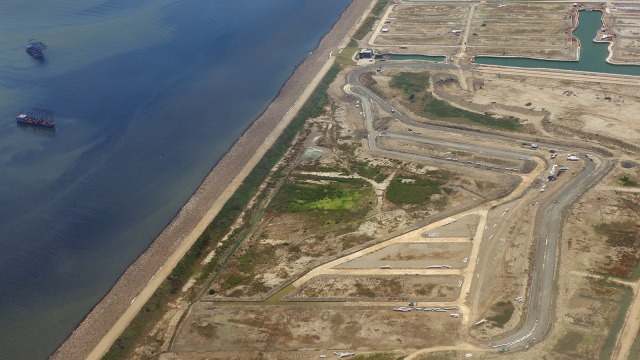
(105, 322)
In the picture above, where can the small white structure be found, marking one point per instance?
(439, 267)
(403, 308)
(343, 354)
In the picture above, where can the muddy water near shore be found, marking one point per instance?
(147, 96)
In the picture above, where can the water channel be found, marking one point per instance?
(592, 54)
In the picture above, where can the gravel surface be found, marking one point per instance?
(219, 183)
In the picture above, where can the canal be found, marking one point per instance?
(592, 54)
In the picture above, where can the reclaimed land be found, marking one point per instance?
(118, 307)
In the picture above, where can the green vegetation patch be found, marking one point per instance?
(625, 180)
(365, 170)
(411, 190)
(364, 29)
(503, 311)
(411, 83)
(368, 23)
(442, 110)
(333, 196)
(415, 88)
(345, 56)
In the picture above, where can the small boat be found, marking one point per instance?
(36, 117)
(34, 48)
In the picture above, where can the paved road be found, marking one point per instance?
(368, 98)
(540, 315)
(540, 304)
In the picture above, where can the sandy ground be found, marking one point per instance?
(367, 287)
(414, 256)
(302, 330)
(108, 319)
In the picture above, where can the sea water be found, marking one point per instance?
(147, 96)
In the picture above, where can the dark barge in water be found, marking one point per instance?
(34, 48)
(36, 117)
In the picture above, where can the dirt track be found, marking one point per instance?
(95, 334)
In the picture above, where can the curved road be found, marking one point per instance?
(540, 302)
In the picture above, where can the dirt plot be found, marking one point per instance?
(426, 24)
(210, 328)
(413, 256)
(464, 227)
(611, 244)
(430, 288)
(417, 39)
(520, 41)
(632, 31)
(507, 9)
(540, 30)
(505, 27)
(427, 9)
(624, 23)
(604, 109)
